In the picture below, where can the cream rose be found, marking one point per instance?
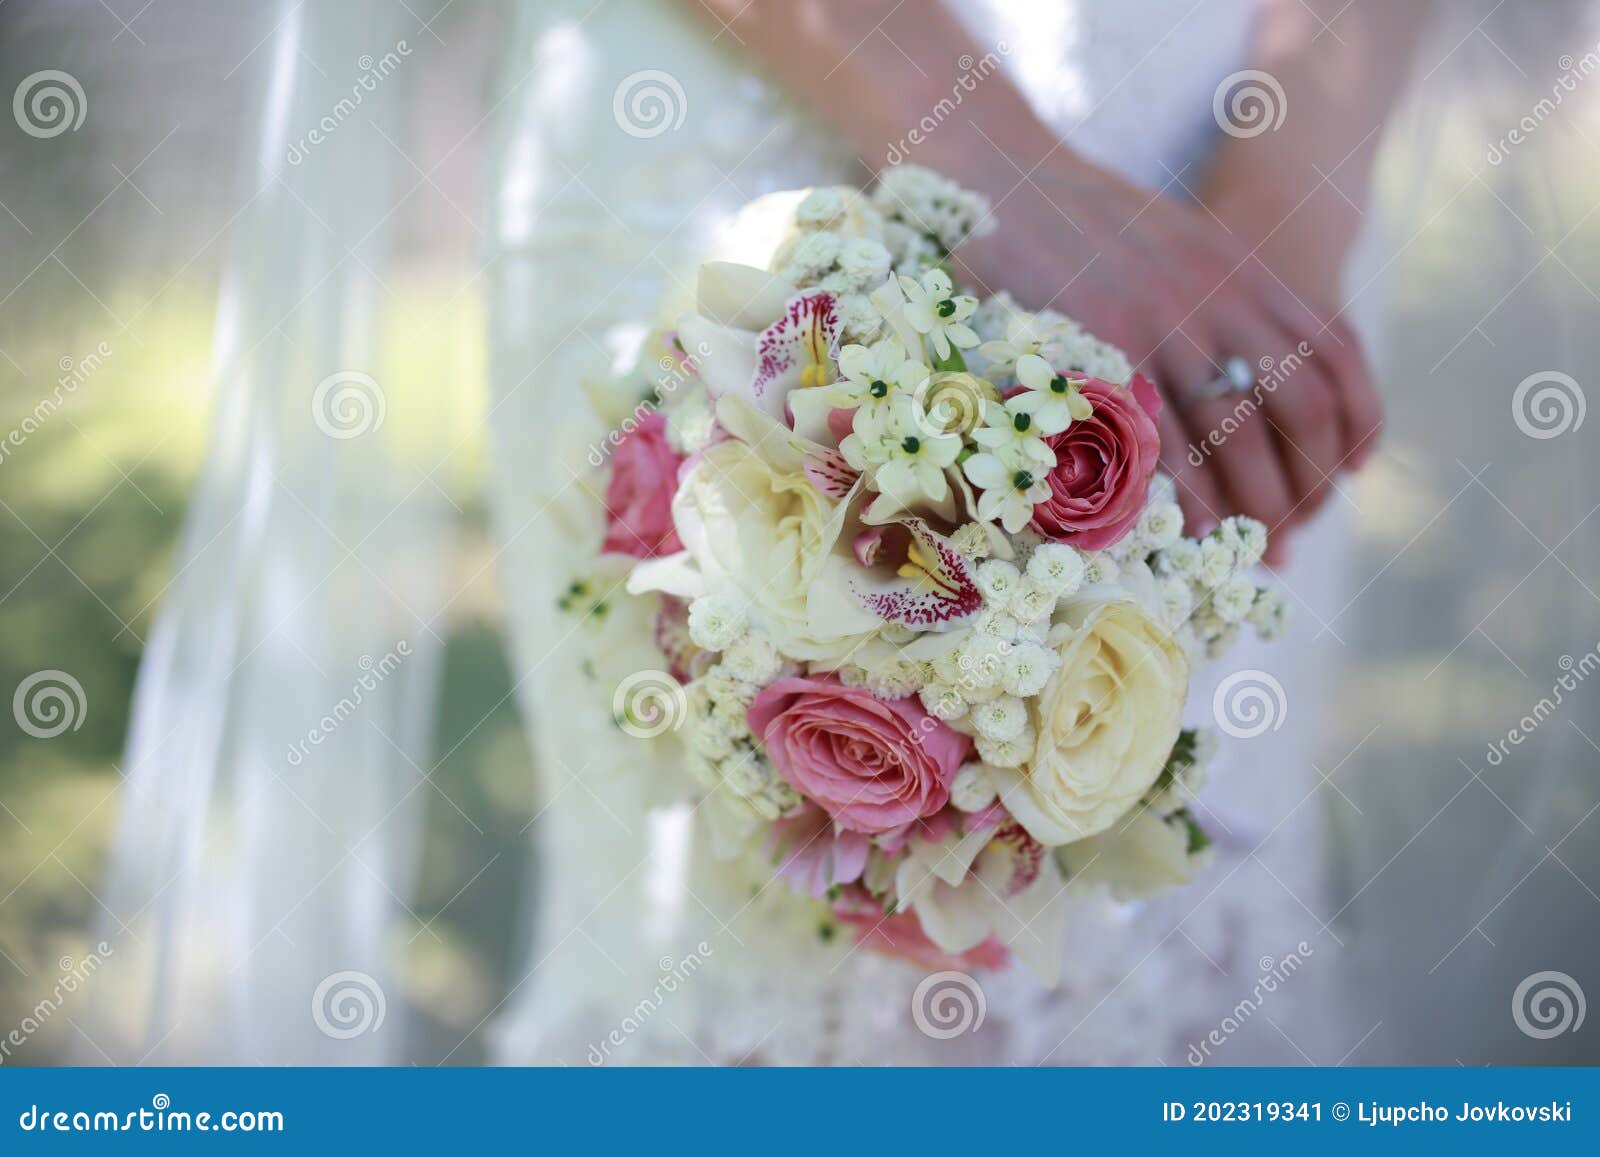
(1105, 723)
(767, 536)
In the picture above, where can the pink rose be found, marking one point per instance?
(644, 477)
(1103, 466)
(872, 764)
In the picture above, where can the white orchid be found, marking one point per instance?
(934, 308)
(1053, 399)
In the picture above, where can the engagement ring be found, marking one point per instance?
(1236, 378)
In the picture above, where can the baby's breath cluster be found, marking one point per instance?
(982, 682)
(1011, 333)
(1206, 583)
(723, 752)
(824, 255)
(926, 216)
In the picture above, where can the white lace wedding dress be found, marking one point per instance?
(642, 950)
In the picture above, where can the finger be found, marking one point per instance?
(1361, 411)
(1300, 404)
(1242, 456)
(1334, 346)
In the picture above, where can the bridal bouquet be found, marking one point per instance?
(925, 610)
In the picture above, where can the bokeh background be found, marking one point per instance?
(118, 233)
(1476, 557)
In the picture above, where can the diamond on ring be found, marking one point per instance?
(1236, 378)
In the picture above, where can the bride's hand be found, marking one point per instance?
(1167, 282)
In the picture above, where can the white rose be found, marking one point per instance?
(1106, 723)
(767, 536)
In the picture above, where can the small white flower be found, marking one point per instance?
(820, 207)
(1160, 525)
(1247, 537)
(1023, 334)
(1028, 668)
(998, 625)
(942, 701)
(998, 580)
(724, 690)
(1180, 560)
(1009, 493)
(1268, 613)
(1003, 717)
(715, 622)
(1176, 600)
(980, 665)
(971, 539)
(895, 679)
(870, 377)
(1032, 601)
(1053, 399)
(1099, 568)
(1006, 752)
(864, 261)
(1234, 598)
(859, 317)
(1057, 567)
(1011, 434)
(752, 659)
(972, 789)
(745, 773)
(934, 308)
(816, 254)
(1217, 561)
(708, 739)
(914, 459)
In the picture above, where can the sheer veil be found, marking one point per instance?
(277, 758)
(273, 774)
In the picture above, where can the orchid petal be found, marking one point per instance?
(742, 296)
(796, 350)
(934, 591)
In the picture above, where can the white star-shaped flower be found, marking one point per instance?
(1012, 433)
(1010, 491)
(1053, 399)
(934, 308)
